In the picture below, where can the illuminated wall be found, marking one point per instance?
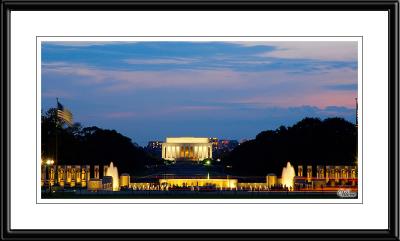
(94, 185)
(219, 183)
(271, 180)
(124, 180)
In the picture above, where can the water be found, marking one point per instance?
(288, 174)
(113, 172)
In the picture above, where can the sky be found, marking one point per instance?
(230, 90)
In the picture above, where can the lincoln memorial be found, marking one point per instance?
(188, 148)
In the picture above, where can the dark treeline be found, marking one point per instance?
(79, 145)
(311, 141)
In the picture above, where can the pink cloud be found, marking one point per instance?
(282, 88)
(122, 80)
(161, 61)
(317, 50)
(318, 99)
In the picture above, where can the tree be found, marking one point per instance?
(78, 145)
(311, 141)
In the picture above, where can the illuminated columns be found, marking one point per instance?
(191, 148)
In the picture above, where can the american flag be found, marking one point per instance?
(64, 114)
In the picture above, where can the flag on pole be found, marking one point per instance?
(64, 114)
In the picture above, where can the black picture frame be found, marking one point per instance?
(392, 233)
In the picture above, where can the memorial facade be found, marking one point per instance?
(186, 148)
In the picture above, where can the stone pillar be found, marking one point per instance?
(78, 173)
(60, 175)
(87, 173)
(69, 174)
(196, 151)
(73, 176)
(191, 152)
(83, 176)
(97, 172)
(105, 167)
(300, 170)
(167, 152)
(320, 172)
(200, 152)
(309, 173)
(52, 175)
(163, 151)
(43, 174)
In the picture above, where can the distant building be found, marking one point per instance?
(214, 142)
(186, 148)
(227, 145)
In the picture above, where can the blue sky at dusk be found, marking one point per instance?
(231, 90)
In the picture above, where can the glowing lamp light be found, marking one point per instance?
(50, 162)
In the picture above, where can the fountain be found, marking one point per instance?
(288, 175)
(113, 172)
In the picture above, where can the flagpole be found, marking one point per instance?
(56, 131)
(56, 157)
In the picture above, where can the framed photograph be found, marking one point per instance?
(200, 120)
